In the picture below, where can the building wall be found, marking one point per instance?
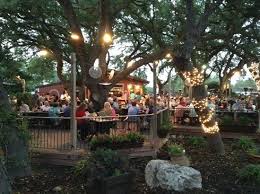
(56, 89)
(128, 86)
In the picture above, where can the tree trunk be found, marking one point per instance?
(214, 139)
(98, 95)
(5, 186)
(18, 163)
(221, 87)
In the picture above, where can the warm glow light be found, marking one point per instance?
(74, 36)
(137, 87)
(107, 38)
(129, 86)
(130, 63)
(237, 73)
(168, 56)
(43, 52)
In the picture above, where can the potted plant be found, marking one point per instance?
(162, 153)
(106, 172)
(164, 129)
(254, 154)
(177, 154)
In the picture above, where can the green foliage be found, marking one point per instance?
(245, 121)
(176, 150)
(117, 141)
(26, 98)
(246, 144)
(227, 120)
(197, 141)
(101, 163)
(164, 129)
(241, 84)
(250, 174)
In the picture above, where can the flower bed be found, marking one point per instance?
(125, 141)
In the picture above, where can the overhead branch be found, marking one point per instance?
(146, 59)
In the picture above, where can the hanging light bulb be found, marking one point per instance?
(43, 52)
(107, 38)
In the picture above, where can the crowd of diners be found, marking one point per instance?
(55, 105)
(135, 105)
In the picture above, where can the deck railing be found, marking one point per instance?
(55, 132)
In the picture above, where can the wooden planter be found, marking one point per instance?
(238, 128)
(180, 160)
(122, 145)
(254, 158)
(121, 184)
(162, 155)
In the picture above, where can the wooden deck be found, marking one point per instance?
(70, 158)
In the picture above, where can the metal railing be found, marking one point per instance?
(55, 132)
(188, 116)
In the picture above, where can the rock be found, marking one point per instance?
(161, 173)
(151, 170)
(57, 189)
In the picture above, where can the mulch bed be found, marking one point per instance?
(219, 174)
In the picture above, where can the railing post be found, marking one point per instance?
(258, 130)
(73, 122)
(153, 131)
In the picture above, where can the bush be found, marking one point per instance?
(164, 129)
(128, 140)
(176, 150)
(246, 121)
(246, 144)
(197, 141)
(100, 164)
(227, 120)
(250, 174)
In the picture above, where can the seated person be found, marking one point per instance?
(54, 111)
(24, 107)
(81, 122)
(107, 110)
(179, 112)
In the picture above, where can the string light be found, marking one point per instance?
(213, 129)
(206, 116)
(255, 72)
(194, 78)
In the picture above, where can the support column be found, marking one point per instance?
(153, 132)
(73, 122)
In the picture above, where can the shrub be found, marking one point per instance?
(245, 143)
(117, 141)
(250, 174)
(197, 141)
(176, 150)
(245, 121)
(164, 129)
(101, 163)
(227, 120)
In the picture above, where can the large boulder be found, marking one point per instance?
(161, 173)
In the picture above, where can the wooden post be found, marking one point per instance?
(258, 130)
(153, 132)
(73, 122)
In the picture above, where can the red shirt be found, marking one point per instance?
(80, 114)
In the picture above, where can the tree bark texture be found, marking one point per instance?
(5, 187)
(17, 154)
(214, 140)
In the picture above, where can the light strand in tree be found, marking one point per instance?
(206, 116)
(255, 72)
(194, 78)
